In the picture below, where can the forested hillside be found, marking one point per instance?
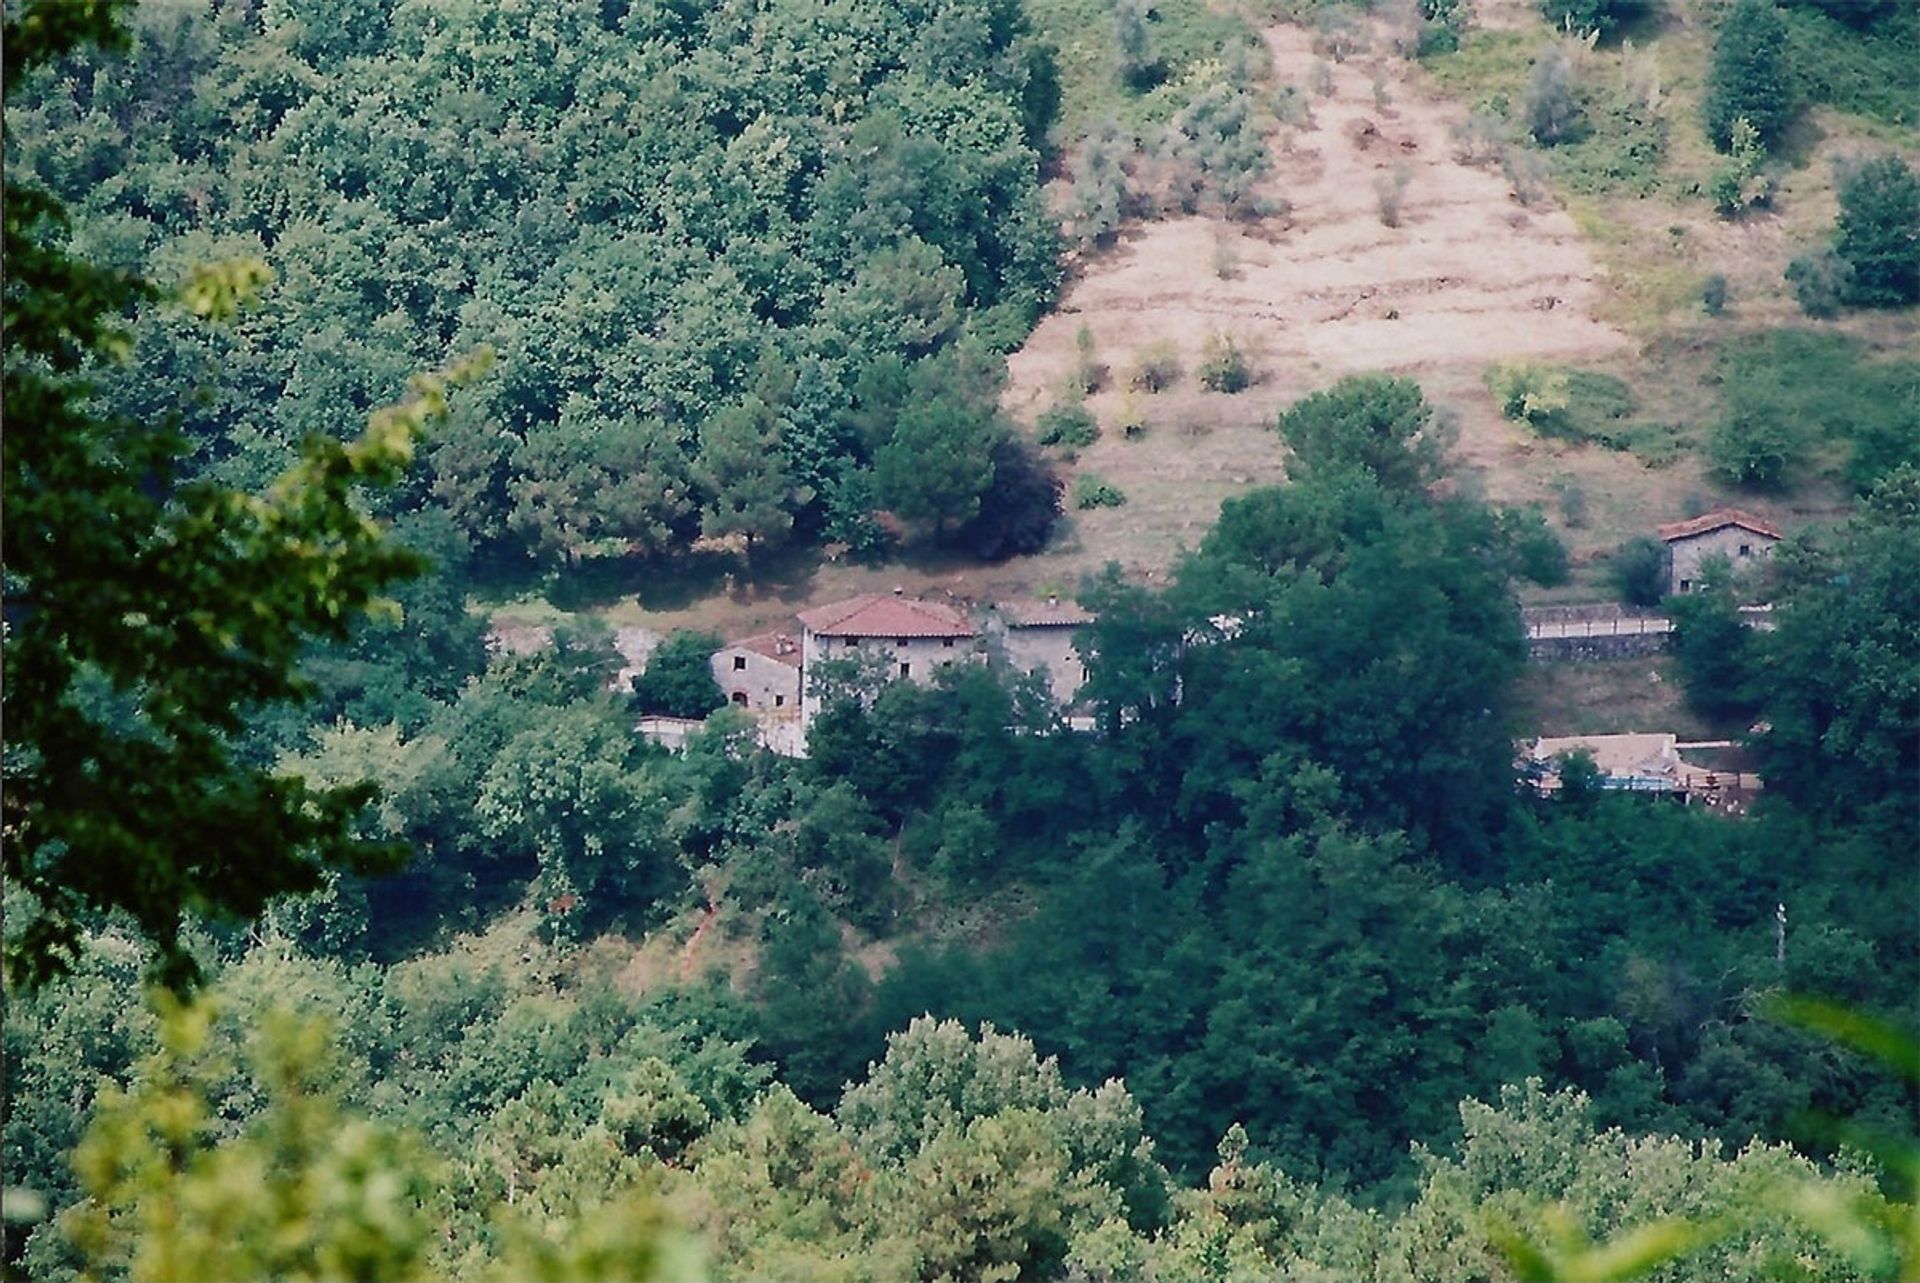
(1266, 963)
(716, 247)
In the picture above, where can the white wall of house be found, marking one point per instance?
(763, 681)
(915, 659)
(1048, 646)
(1686, 556)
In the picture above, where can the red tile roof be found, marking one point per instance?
(884, 615)
(781, 646)
(1714, 521)
(1040, 614)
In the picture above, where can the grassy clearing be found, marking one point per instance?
(1183, 35)
(1869, 74)
(1610, 698)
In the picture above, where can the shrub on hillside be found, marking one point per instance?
(1136, 63)
(1390, 193)
(1100, 198)
(1529, 393)
(1069, 424)
(1878, 232)
(1750, 77)
(1713, 294)
(1223, 366)
(1639, 571)
(1741, 183)
(1821, 282)
(1156, 367)
(1549, 105)
(1538, 554)
(1086, 374)
(1573, 504)
(1590, 17)
(1089, 491)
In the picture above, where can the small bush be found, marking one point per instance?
(1590, 17)
(1089, 491)
(1552, 111)
(1749, 78)
(1713, 294)
(1320, 79)
(1069, 424)
(1573, 504)
(678, 679)
(1658, 445)
(1526, 174)
(1390, 191)
(1156, 367)
(1529, 393)
(1132, 419)
(1480, 139)
(1740, 184)
(1087, 373)
(1226, 258)
(1639, 571)
(1338, 34)
(1437, 38)
(1821, 282)
(1223, 367)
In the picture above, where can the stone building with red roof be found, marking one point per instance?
(1039, 636)
(760, 674)
(1742, 538)
(907, 637)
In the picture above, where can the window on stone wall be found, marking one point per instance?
(739, 663)
(947, 642)
(906, 670)
(1746, 550)
(779, 701)
(901, 642)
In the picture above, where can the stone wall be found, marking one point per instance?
(1576, 650)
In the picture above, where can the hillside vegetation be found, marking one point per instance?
(341, 944)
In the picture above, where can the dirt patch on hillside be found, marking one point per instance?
(1467, 278)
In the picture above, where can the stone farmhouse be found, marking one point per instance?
(1031, 636)
(908, 638)
(760, 674)
(912, 638)
(1740, 537)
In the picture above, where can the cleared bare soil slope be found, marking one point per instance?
(1467, 278)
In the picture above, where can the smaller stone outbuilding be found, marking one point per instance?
(760, 674)
(1742, 538)
(1040, 635)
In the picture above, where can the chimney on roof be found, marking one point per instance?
(898, 590)
(1053, 599)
